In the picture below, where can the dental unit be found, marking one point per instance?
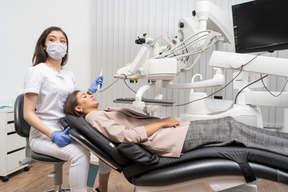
(207, 169)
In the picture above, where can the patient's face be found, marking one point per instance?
(86, 102)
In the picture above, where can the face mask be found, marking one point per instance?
(56, 50)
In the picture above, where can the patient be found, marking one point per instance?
(168, 137)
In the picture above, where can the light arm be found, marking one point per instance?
(251, 63)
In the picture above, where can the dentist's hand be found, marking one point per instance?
(96, 83)
(60, 138)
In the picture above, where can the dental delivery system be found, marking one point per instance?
(168, 61)
(212, 28)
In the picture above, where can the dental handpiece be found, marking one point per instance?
(100, 76)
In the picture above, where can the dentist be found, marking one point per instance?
(46, 87)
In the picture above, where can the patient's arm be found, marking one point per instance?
(119, 133)
(114, 129)
(163, 123)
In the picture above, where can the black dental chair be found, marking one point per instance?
(201, 170)
(23, 129)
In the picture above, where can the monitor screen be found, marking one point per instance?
(260, 26)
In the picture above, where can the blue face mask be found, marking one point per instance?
(56, 50)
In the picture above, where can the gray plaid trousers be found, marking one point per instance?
(226, 130)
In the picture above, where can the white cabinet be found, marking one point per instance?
(12, 146)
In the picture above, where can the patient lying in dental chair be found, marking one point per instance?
(168, 137)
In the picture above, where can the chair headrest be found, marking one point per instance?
(22, 128)
(81, 125)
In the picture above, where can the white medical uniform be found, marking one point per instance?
(52, 89)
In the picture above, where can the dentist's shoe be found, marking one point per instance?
(95, 190)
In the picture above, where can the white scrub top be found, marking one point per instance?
(52, 89)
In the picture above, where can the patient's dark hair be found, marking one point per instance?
(70, 104)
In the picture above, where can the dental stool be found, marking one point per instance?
(23, 129)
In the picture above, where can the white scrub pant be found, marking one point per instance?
(103, 167)
(77, 155)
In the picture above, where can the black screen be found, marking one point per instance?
(260, 25)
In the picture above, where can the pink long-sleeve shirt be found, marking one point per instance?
(122, 125)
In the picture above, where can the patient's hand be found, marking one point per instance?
(163, 123)
(170, 122)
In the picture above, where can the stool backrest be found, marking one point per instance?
(22, 128)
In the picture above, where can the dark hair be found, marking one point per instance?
(40, 55)
(70, 104)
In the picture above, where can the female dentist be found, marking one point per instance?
(46, 87)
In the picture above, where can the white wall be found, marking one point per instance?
(22, 22)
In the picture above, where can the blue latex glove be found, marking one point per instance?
(60, 138)
(94, 86)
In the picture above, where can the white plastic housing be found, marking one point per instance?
(154, 69)
(261, 64)
(213, 18)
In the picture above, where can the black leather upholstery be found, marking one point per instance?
(22, 128)
(208, 162)
(204, 168)
(138, 154)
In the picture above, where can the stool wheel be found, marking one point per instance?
(5, 179)
(27, 168)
